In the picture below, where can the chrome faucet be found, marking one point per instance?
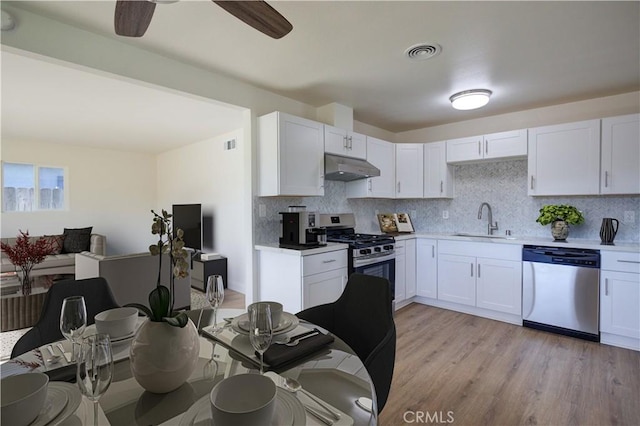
(491, 226)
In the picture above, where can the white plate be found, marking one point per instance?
(91, 330)
(73, 400)
(287, 323)
(56, 401)
(289, 411)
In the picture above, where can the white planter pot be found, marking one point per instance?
(162, 356)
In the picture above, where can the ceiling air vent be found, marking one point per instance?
(422, 51)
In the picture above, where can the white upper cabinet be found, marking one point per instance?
(505, 144)
(290, 156)
(343, 142)
(464, 149)
(381, 154)
(409, 170)
(438, 175)
(502, 145)
(620, 171)
(565, 159)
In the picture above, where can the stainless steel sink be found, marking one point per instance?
(494, 237)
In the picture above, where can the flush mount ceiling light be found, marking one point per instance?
(470, 99)
(7, 21)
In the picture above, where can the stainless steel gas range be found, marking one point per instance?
(370, 254)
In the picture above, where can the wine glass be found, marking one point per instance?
(95, 368)
(73, 321)
(260, 329)
(215, 296)
(210, 369)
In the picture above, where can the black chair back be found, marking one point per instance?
(97, 297)
(363, 318)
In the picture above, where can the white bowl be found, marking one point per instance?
(276, 312)
(244, 399)
(23, 397)
(117, 322)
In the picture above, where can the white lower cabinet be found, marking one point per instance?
(620, 299)
(300, 279)
(426, 268)
(405, 279)
(456, 279)
(323, 288)
(498, 285)
(486, 286)
(410, 268)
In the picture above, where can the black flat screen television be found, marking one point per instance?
(188, 217)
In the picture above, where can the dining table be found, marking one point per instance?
(334, 380)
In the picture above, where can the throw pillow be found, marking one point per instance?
(56, 241)
(76, 239)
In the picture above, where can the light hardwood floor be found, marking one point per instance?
(464, 370)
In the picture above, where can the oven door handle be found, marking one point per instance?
(373, 260)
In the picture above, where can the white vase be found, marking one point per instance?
(163, 356)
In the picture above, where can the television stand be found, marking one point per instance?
(204, 268)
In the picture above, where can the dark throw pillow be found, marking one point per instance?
(76, 240)
(56, 241)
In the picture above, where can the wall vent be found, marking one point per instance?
(230, 144)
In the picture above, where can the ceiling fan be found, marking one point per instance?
(132, 17)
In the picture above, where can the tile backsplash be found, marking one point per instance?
(501, 184)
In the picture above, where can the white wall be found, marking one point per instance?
(110, 190)
(205, 173)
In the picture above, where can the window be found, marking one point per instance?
(29, 187)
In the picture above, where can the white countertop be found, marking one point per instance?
(577, 243)
(275, 247)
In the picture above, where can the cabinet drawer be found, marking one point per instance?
(622, 261)
(324, 262)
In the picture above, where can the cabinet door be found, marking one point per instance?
(620, 303)
(382, 154)
(620, 172)
(401, 274)
(301, 157)
(565, 159)
(409, 170)
(464, 149)
(410, 268)
(290, 156)
(456, 279)
(426, 268)
(357, 144)
(505, 144)
(335, 140)
(499, 285)
(323, 288)
(438, 175)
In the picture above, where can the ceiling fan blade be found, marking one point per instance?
(132, 17)
(259, 15)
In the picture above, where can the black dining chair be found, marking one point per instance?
(97, 297)
(363, 318)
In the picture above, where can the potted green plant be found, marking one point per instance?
(560, 216)
(165, 349)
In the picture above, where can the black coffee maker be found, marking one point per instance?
(298, 230)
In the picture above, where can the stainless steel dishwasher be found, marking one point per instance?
(561, 290)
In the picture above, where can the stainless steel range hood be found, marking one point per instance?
(347, 169)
